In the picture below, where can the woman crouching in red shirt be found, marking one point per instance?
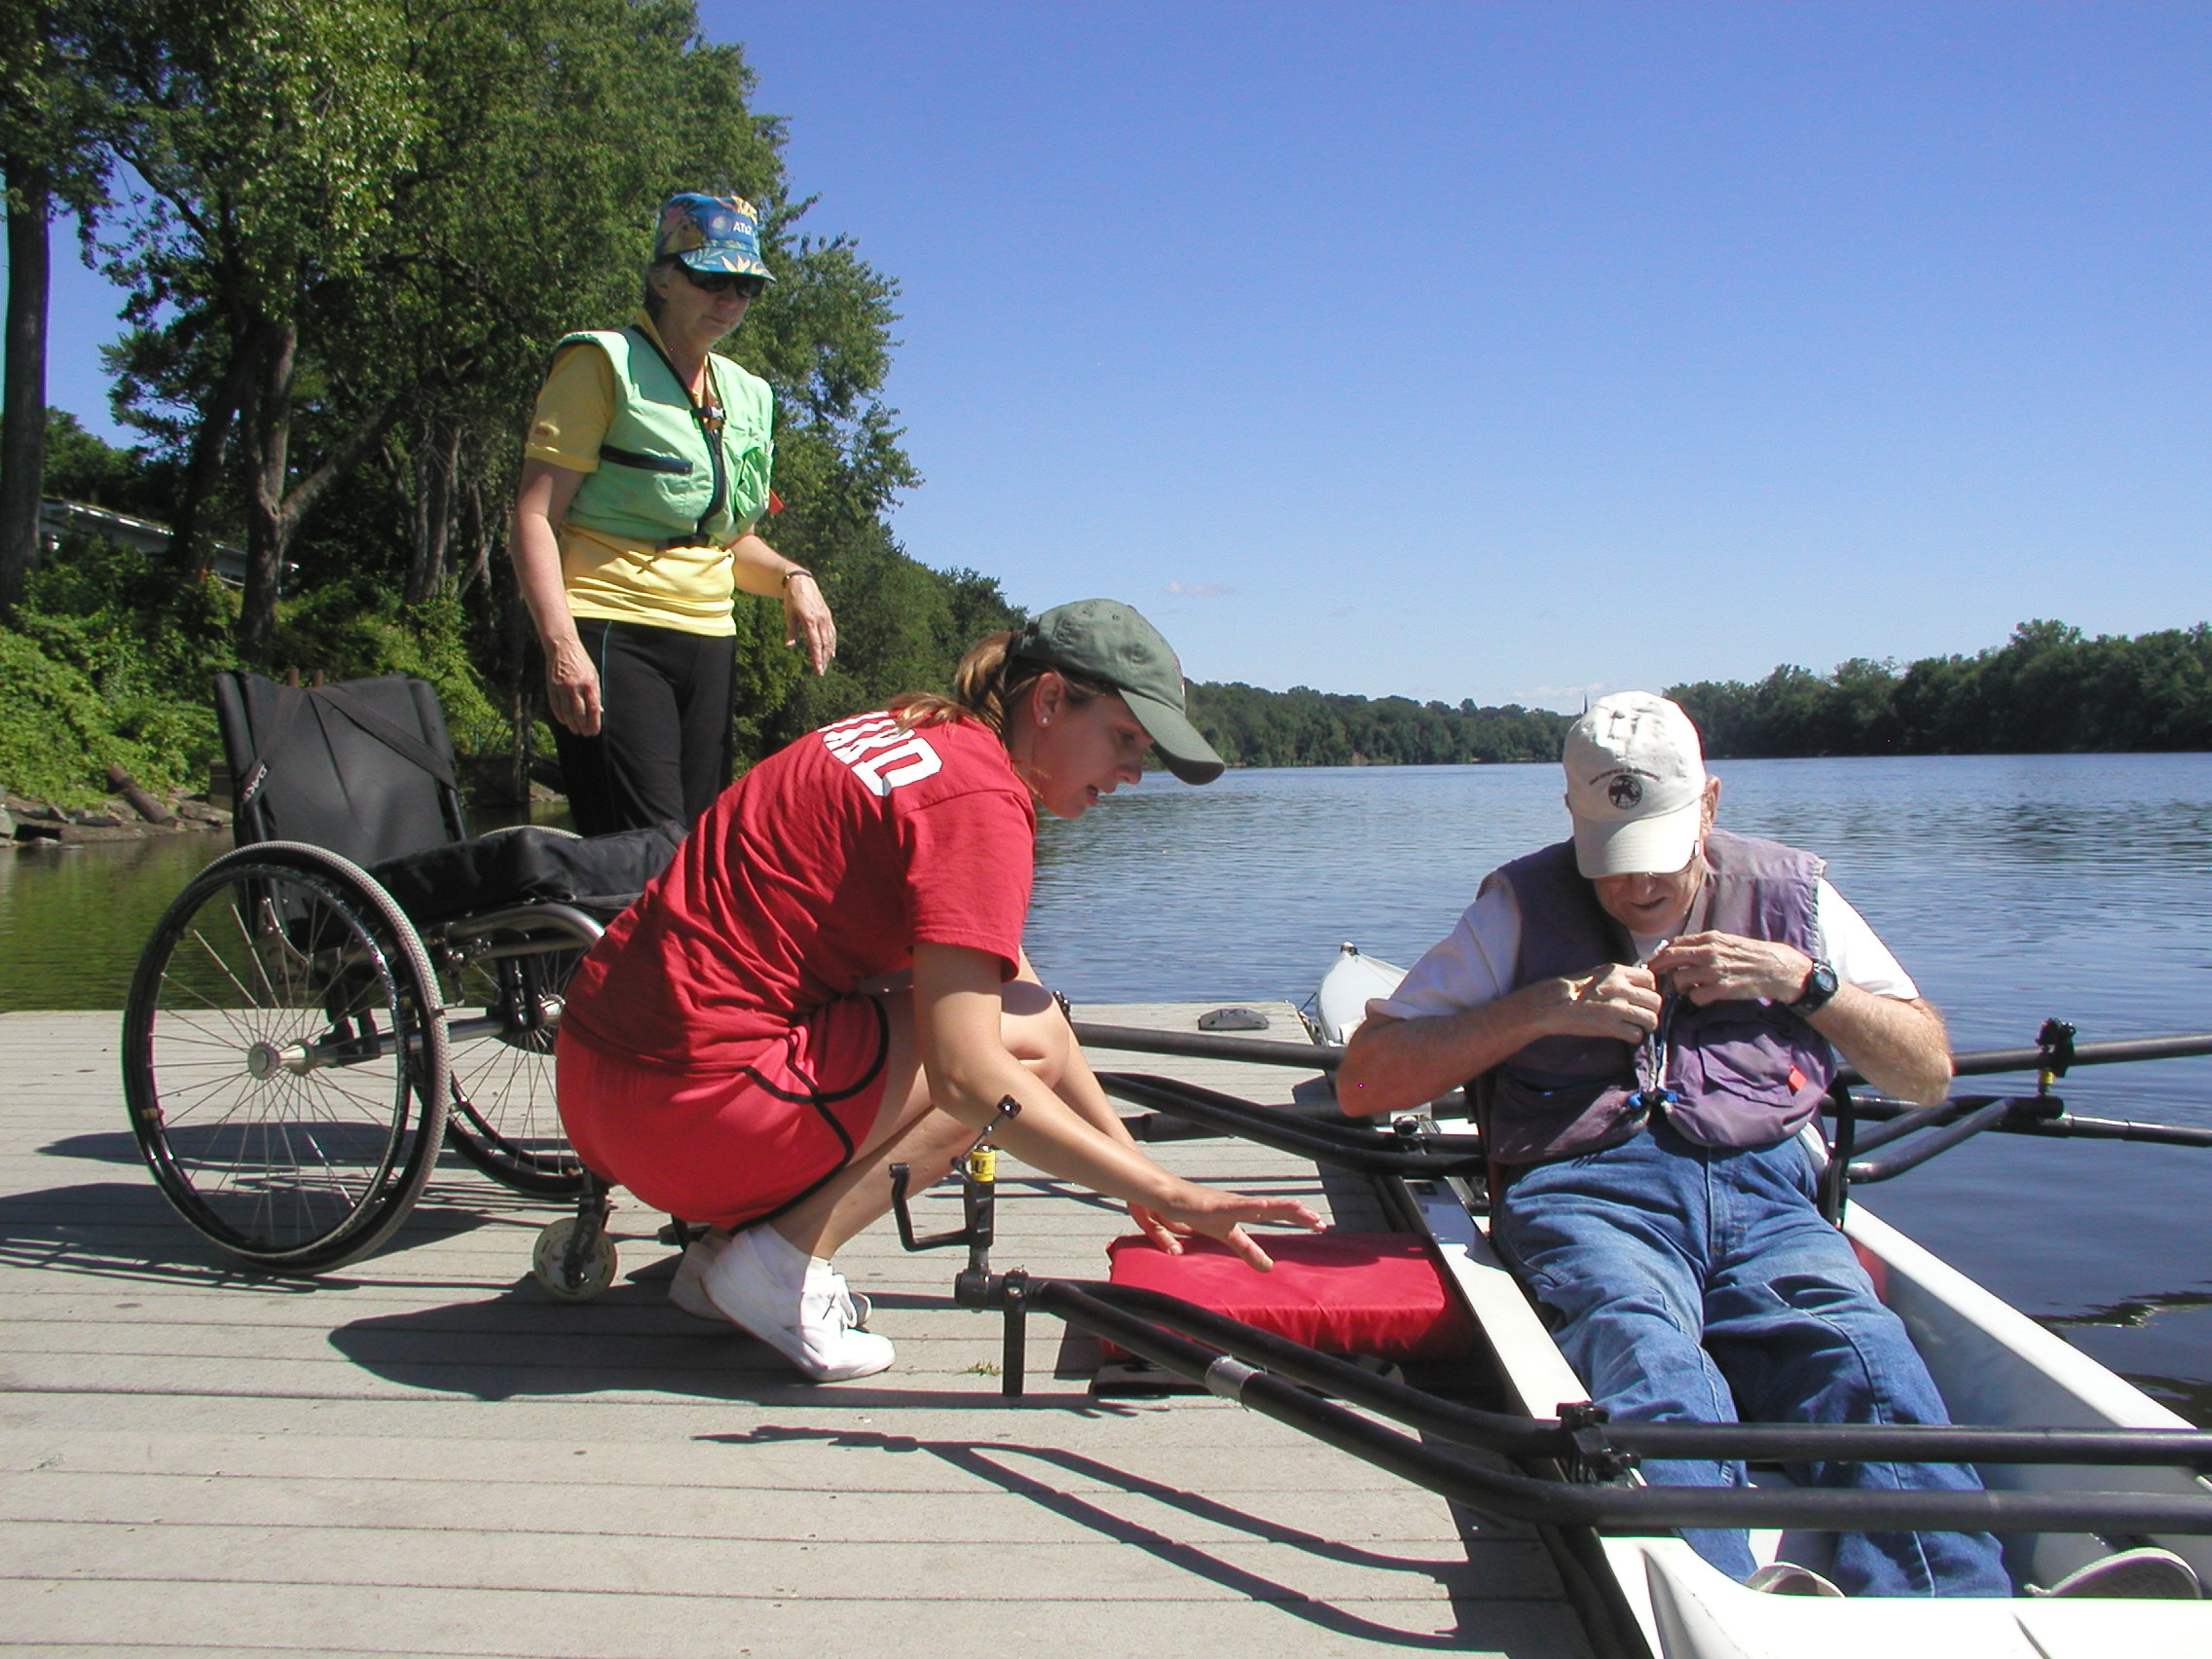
(732, 1053)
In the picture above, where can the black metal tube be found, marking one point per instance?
(1903, 1124)
(1988, 1062)
(1013, 1352)
(1204, 1046)
(1464, 1425)
(2063, 1126)
(1897, 1443)
(1326, 1056)
(1758, 1443)
(1368, 1152)
(1922, 1147)
(1158, 1127)
(2069, 1126)
(1635, 1509)
(1167, 1127)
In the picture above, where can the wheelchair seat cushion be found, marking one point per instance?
(529, 865)
(1346, 1293)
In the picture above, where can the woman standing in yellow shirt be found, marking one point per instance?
(645, 473)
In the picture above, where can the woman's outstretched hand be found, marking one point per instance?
(1167, 1234)
(1223, 1216)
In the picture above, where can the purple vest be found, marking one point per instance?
(1748, 1074)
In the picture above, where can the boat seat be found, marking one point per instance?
(1372, 1294)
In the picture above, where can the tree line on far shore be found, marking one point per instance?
(1250, 726)
(2048, 689)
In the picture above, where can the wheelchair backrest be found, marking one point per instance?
(363, 767)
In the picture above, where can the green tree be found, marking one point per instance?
(353, 236)
(263, 136)
(1250, 726)
(81, 466)
(53, 157)
(2046, 689)
(363, 225)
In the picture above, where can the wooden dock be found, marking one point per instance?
(424, 1454)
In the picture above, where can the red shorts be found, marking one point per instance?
(734, 1147)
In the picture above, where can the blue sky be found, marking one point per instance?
(1510, 352)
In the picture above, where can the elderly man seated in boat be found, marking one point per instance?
(1651, 1011)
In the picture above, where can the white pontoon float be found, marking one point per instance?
(2077, 1463)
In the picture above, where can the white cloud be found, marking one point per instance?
(1197, 590)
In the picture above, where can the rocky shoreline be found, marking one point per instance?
(34, 826)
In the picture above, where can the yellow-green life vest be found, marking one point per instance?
(661, 477)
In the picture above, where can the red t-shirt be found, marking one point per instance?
(820, 868)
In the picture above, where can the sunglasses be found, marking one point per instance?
(725, 281)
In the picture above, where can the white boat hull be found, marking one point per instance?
(1340, 1003)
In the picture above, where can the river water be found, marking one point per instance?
(2011, 887)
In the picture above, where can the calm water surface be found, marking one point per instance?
(2011, 887)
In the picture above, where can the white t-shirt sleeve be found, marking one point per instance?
(1471, 966)
(1855, 950)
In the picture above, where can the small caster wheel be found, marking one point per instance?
(549, 1263)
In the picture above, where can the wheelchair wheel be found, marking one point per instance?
(284, 1059)
(505, 1011)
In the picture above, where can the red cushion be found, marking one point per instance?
(1367, 1293)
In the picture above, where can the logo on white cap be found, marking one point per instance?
(1634, 784)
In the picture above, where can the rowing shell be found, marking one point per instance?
(1994, 1365)
(1340, 1003)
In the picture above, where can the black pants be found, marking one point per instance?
(663, 749)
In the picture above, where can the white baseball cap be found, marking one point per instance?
(1634, 784)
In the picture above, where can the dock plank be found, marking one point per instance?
(422, 1453)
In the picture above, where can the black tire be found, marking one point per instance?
(503, 1118)
(284, 1059)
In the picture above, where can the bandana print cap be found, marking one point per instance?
(710, 232)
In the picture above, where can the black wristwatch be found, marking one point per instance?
(1813, 996)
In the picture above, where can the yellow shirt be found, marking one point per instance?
(615, 577)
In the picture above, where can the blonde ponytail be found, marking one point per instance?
(987, 686)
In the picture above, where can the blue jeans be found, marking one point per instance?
(1693, 1284)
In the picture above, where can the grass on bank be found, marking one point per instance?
(111, 660)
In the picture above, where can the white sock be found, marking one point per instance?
(786, 1260)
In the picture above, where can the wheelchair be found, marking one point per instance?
(360, 983)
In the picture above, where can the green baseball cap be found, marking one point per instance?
(1107, 641)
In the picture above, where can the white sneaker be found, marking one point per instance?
(794, 1304)
(824, 1275)
(2149, 1574)
(689, 1294)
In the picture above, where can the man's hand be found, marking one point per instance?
(1717, 966)
(1616, 1001)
